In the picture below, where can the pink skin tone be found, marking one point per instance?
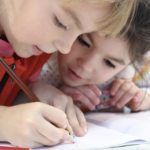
(37, 26)
(127, 93)
(33, 27)
(93, 63)
(94, 60)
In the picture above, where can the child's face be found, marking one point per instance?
(36, 26)
(93, 60)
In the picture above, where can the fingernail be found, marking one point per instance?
(112, 93)
(97, 101)
(85, 129)
(92, 107)
(65, 126)
(136, 99)
(118, 106)
(113, 103)
(66, 135)
(99, 93)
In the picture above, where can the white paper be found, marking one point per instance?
(136, 124)
(97, 138)
(110, 130)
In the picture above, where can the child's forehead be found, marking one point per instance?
(102, 42)
(81, 10)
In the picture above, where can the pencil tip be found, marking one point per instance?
(70, 138)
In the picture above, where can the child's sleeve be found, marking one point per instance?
(142, 79)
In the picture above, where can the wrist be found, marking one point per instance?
(146, 102)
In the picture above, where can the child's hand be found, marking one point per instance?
(32, 125)
(140, 104)
(54, 97)
(86, 94)
(127, 93)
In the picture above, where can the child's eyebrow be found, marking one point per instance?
(120, 61)
(73, 15)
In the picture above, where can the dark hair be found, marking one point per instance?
(138, 34)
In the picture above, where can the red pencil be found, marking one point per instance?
(13, 148)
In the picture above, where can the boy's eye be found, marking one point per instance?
(83, 42)
(109, 64)
(59, 24)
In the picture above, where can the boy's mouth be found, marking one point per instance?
(73, 75)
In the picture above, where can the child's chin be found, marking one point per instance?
(23, 54)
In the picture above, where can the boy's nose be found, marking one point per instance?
(62, 47)
(87, 64)
(64, 44)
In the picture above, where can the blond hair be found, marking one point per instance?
(113, 23)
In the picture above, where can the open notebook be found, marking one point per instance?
(110, 130)
(135, 124)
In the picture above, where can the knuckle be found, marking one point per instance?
(129, 82)
(84, 88)
(56, 136)
(71, 115)
(131, 92)
(124, 87)
(63, 98)
(63, 119)
(37, 106)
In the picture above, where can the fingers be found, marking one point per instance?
(123, 91)
(74, 93)
(137, 101)
(45, 134)
(60, 102)
(69, 129)
(40, 138)
(85, 101)
(73, 121)
(81, 119)
(31, 125)
(75, 96)
(115, 87)
(66, 104)
(50, 131)
(118, 89)
(86, 94)
(91, 93)
(95, 89)
(126, 97)
(53, 115)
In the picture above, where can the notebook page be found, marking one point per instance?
(97, 137)
(137, 124)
